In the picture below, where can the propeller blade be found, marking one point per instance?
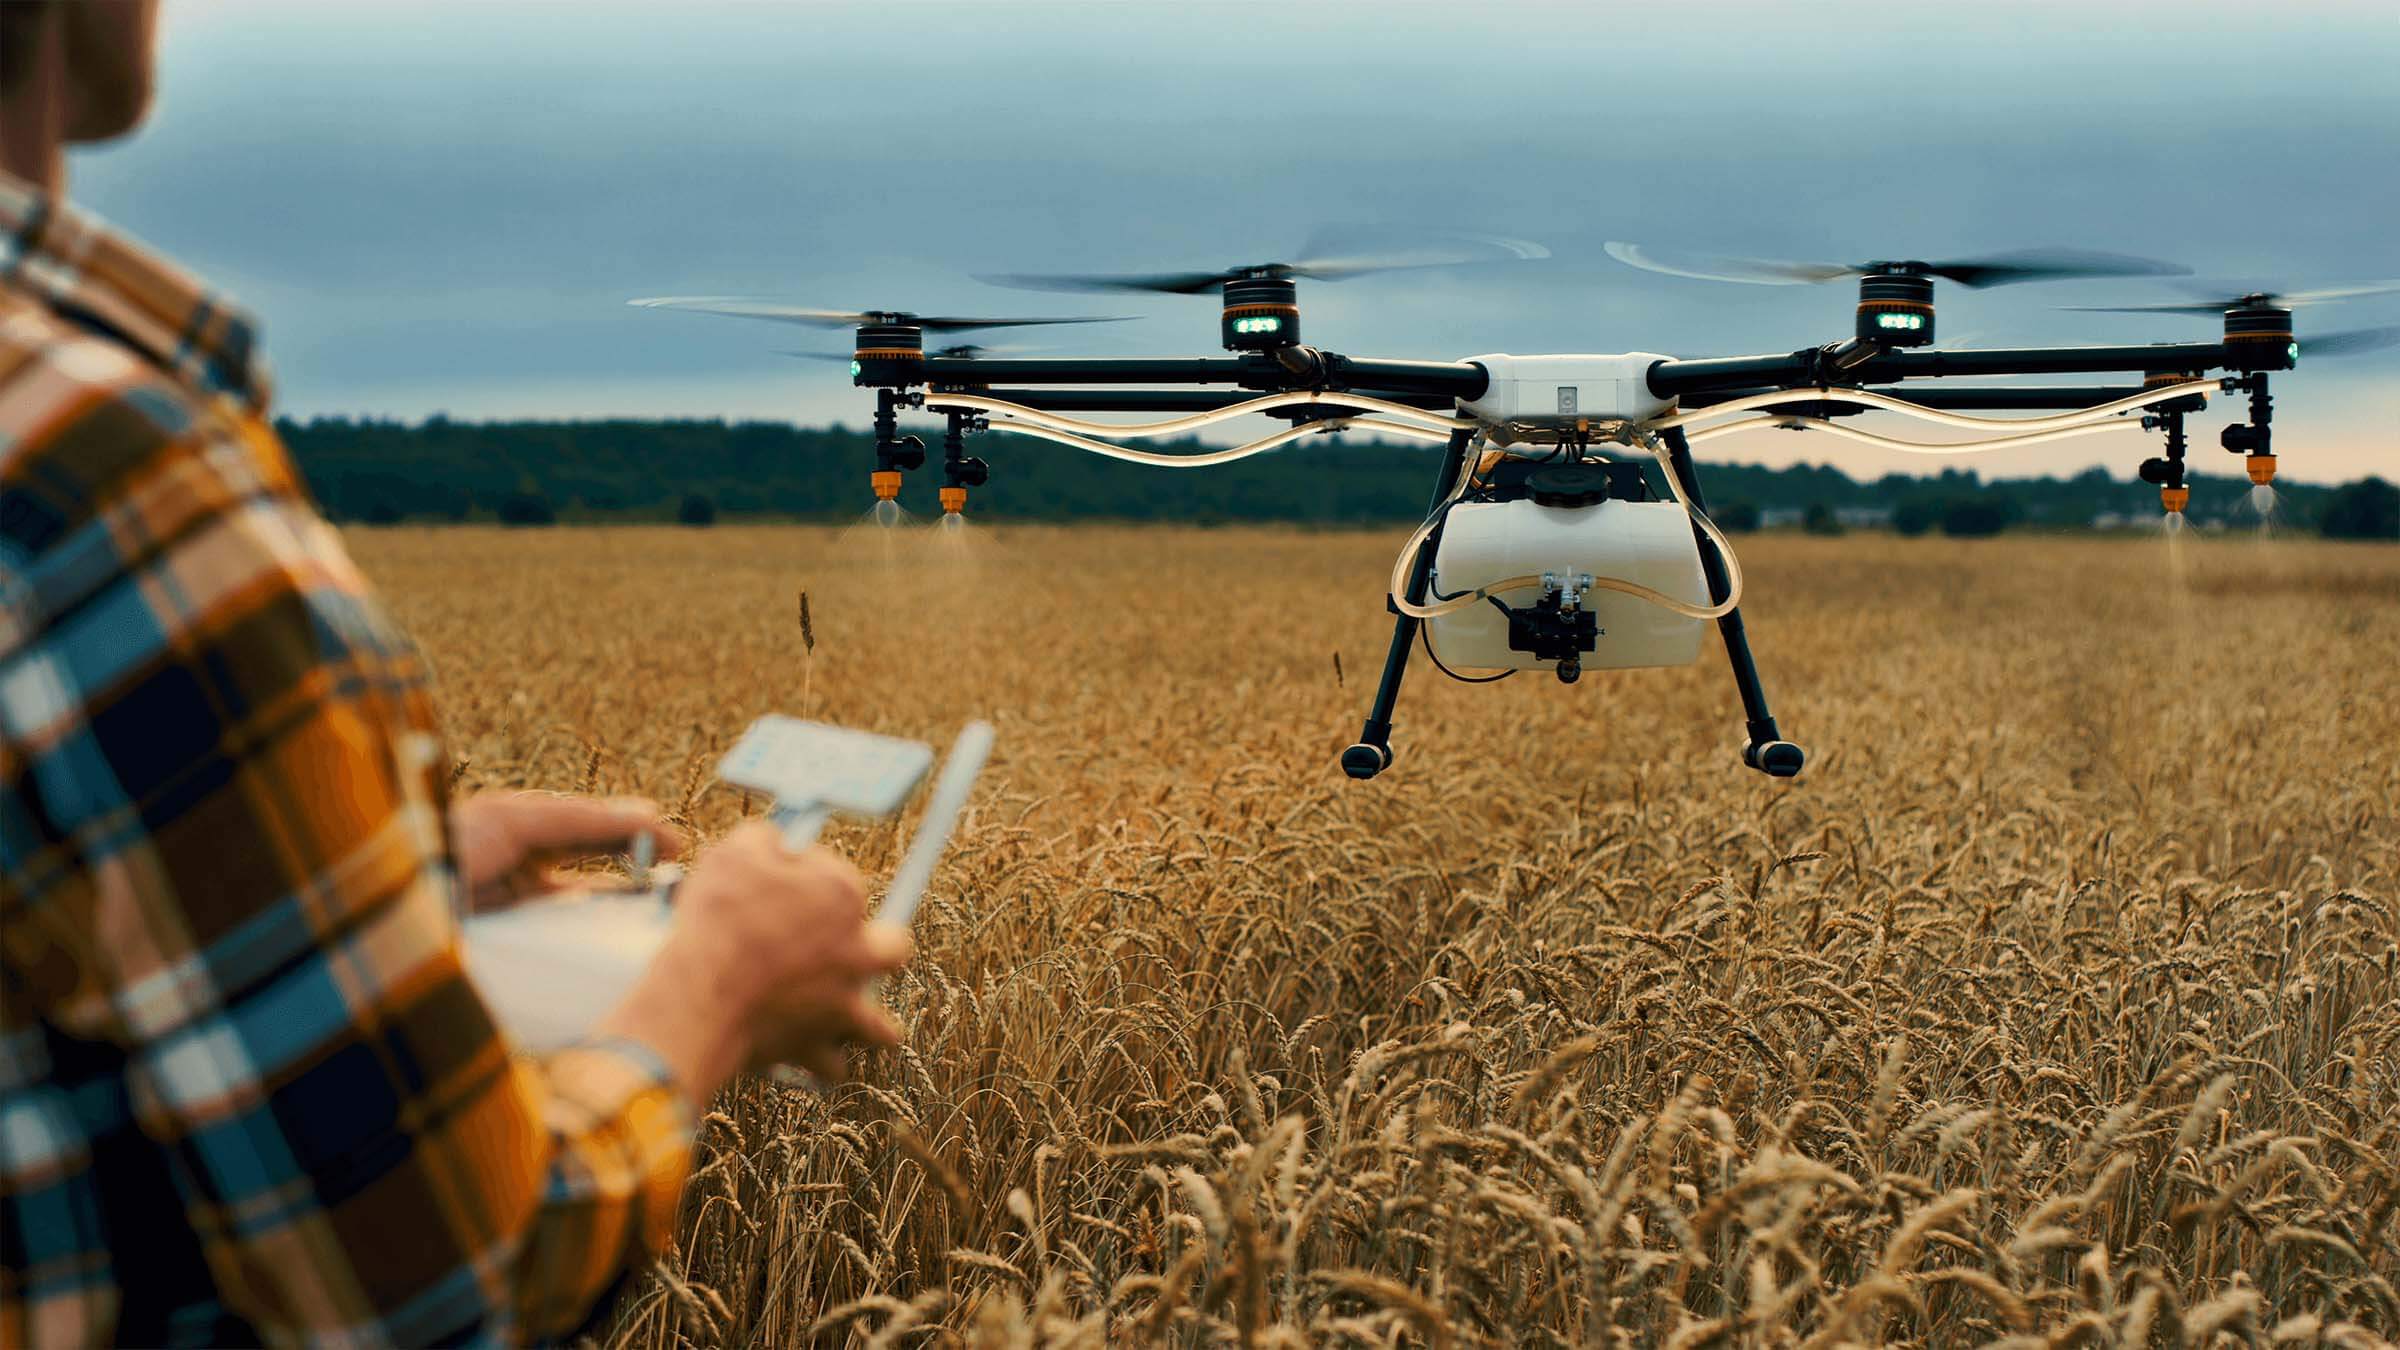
(1333, 256)
(754, 309)
(1164, 283)
(2350, 342)
(2216, 296)
(1329, 255)
(1717, 267)
(818, 356)
(843, 318)
(941, 323)
(2326, 294)
(2208, 308)
(2050, 264)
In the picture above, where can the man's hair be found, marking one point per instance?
(19, 21)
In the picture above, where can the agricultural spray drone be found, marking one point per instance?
(1540, 549)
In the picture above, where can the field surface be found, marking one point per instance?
(2056, 1003)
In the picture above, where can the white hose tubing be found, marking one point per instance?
(1416, 542)
(1975, 447)
(1212, 457)
(1270, 402)
(1195, 421)
(1869, 397)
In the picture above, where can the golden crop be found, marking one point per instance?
(2055, 1004)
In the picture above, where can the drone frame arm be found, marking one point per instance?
(1188, 400)
(1318, 370)
(1673, 378)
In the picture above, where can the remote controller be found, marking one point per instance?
(550, 970)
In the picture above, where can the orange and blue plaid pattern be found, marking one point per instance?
(247, 1093)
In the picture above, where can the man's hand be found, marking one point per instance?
(509, 843)
(769, 962)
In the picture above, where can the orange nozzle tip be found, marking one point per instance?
(2262, 469)
(2174, 498)
(954, 500)
(887, 484)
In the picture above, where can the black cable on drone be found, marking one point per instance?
(1425, 639)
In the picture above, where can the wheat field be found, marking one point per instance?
(2054, 1005)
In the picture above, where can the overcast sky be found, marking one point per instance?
(443, 205)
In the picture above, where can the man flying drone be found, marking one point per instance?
(248, 1092)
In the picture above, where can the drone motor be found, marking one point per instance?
(1262, 313)
(1895, 307)
(2258, 335)
(886, 352)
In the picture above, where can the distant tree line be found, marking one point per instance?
(696, 472)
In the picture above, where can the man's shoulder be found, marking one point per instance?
(77, 409)
(103, 453)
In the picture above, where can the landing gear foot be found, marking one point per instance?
(1775, 759)
(1364, 761)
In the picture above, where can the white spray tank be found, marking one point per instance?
(1568, 529)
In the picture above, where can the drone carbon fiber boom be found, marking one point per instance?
(1539, 550)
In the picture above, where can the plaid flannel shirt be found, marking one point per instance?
(247, 1093)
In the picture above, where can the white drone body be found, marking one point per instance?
(1544, 398)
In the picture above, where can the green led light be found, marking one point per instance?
(854, 370)
(2292, 352)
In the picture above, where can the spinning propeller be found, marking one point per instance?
(1895, 297)
(890, 341)
(1998, 269)
(2219, 299)
(1262, 310)
(844, 318)
(2258, 323)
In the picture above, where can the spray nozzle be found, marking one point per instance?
(2174, 499)
(954, 500)
(886, 483)
(2261, 467)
